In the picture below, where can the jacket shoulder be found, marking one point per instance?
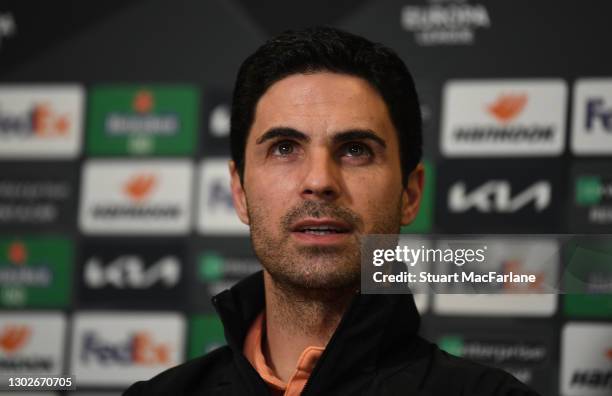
(199, 375)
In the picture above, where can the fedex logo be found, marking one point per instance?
(40, 121)
(592, 117)
(139, 349)
(117, 348)
(597, 114)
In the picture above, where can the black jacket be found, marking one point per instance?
(374, 351)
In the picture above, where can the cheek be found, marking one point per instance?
(270, 194)
(375, 196)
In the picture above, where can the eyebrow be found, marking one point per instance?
(358, 134)
(282, 132)
(340, 137)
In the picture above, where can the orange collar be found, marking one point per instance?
(254, 354)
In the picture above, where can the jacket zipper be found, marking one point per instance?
(329, 347)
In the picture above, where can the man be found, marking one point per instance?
(326, 145)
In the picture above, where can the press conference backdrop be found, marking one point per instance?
(116, 221)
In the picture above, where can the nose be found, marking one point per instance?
(321, 177)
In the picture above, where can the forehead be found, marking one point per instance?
(322, 103)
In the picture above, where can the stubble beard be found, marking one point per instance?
(314, 269)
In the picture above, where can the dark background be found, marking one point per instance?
(202, 43)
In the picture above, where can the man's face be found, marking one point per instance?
(322, 169)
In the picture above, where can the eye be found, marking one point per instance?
(284, 148)
(355, 149)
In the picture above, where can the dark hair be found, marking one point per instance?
(328, 49)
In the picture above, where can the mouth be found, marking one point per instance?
(321, 231)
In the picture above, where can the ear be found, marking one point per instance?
(238, 195)
(412, 194)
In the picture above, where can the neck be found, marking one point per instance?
(299, 318)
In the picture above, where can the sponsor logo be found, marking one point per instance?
(539, 257)
(136, 274)
(219, 121)
(114, 349)
(37, 197)
(593, 190)
(586, 367)
(588, 278)
(130, 272)
(40, 121)
(515, 266)
(592, 206)
(592, 118)
(13, 338)
(216, 125)
(595, 193)
(217, 214)
(141, 121)
(219, 272)
(445, 23)
(135, 120)
(35, 272)
(205, 334)
(520, 358)
(507, 107)
(496, 196)
(503, 118)
(140, 187)
(139, 348)
(31, 343)
(28, 213)
(136, 197)
(17, 254)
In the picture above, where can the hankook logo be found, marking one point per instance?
(139, 187)
(13, 338)
(31, 343)
(127, 197)
(503, 118)
(507, 107)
